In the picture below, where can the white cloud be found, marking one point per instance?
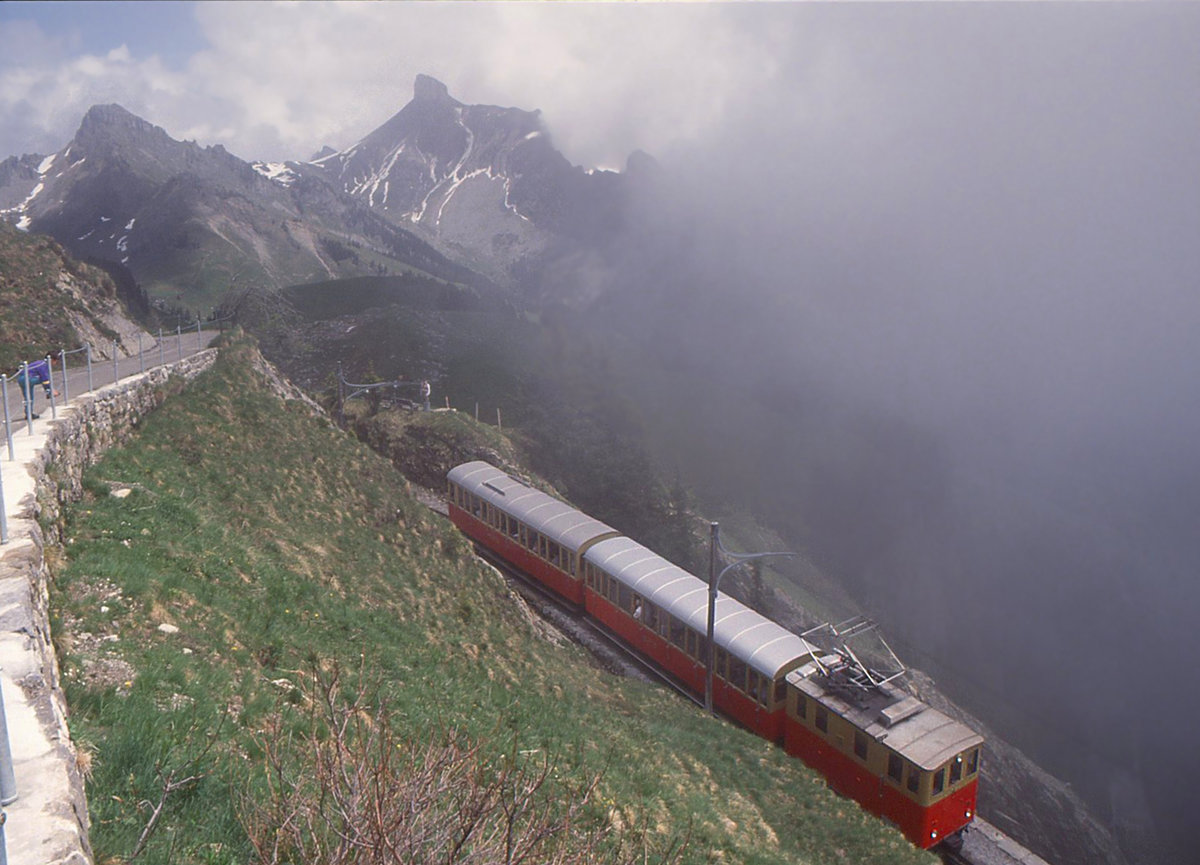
(43, 99)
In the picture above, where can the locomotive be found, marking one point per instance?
(898, 757)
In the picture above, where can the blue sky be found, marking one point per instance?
(166, 29)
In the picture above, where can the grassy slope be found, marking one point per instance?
(270, 540)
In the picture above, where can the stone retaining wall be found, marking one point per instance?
(48, 823)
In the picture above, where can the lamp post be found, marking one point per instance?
(714, 581)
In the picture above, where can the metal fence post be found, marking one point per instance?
(3, 513)
(141, 355)
(62, 355)
(8, 781)
(50, 373)
(7, 420)
(116, 373)
(26, 394)
(161, 358)
(199, 339)
(88, 346)
(179, 339)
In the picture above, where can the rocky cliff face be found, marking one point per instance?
(481, 182)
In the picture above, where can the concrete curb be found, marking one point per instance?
(48, 822)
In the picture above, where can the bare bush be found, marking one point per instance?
(344, 788)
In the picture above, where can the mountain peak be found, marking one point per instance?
(111, 115)
(427, 89)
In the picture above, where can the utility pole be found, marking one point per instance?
(714, 581)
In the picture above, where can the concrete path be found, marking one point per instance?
(47, 822)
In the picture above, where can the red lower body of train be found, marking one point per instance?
(558, 581)
(924, 825)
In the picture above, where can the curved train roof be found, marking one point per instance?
(910, 727)
(764, 645)
(556, 520)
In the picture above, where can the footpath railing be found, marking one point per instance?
(79, 371)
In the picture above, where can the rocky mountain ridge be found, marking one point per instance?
(478, 180)
(192, 223)
(443, 188)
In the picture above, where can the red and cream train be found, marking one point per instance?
(896, 756)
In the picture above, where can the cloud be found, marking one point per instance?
(43, 99)
(278, 80)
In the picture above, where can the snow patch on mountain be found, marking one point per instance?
(280, 172)
(22, 209)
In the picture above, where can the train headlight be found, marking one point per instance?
(933, 834)
(968, 813)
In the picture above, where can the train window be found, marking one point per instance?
(719, 663)
(780, 691)
(737, 673)
(973, 762)
(860, 745)
(541, 550)
(554, 554)
(624, 598)
(822, 719)
(801, 706)
(956, 770)
(914, 779)
(652, 617)
(939, 781)
(514, 529)
(895, 767)
(476, 506)
(678, 634)
(752, 684)
(571, 562)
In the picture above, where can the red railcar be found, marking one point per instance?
(661, 610)
(535, 532)
(896, 756)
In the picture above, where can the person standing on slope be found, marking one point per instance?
(32, 374)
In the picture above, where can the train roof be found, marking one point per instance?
(761, 643)
(556, 520)
(908, 726)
